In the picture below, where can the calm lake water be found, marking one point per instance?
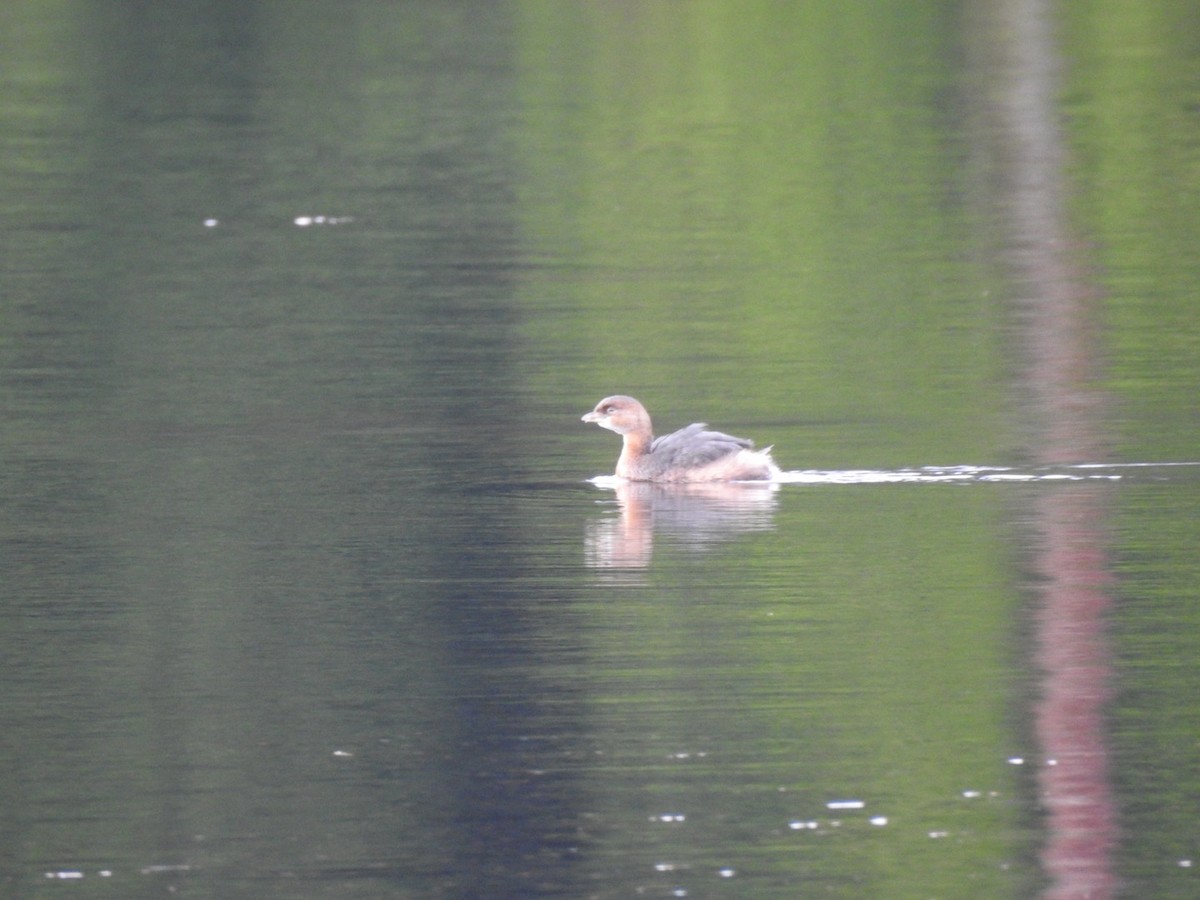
(312, 589)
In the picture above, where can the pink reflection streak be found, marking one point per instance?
(1074, 657)
(1070, 553)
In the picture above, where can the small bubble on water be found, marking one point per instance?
(164, 869)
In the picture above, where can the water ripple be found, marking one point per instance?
(984, 474)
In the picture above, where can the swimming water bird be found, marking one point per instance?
(690, 454)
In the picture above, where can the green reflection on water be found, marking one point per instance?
(749, 694)
(1130, 97)
(775, 227)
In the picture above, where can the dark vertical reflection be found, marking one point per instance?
(1067, 527)
(453, 281)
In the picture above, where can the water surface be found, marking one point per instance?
(314, 586)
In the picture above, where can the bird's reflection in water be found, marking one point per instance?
(693, 514)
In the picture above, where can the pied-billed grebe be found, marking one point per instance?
(690, 454)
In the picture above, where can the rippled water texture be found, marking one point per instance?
(315, 586)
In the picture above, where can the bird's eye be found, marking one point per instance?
(608, 410)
